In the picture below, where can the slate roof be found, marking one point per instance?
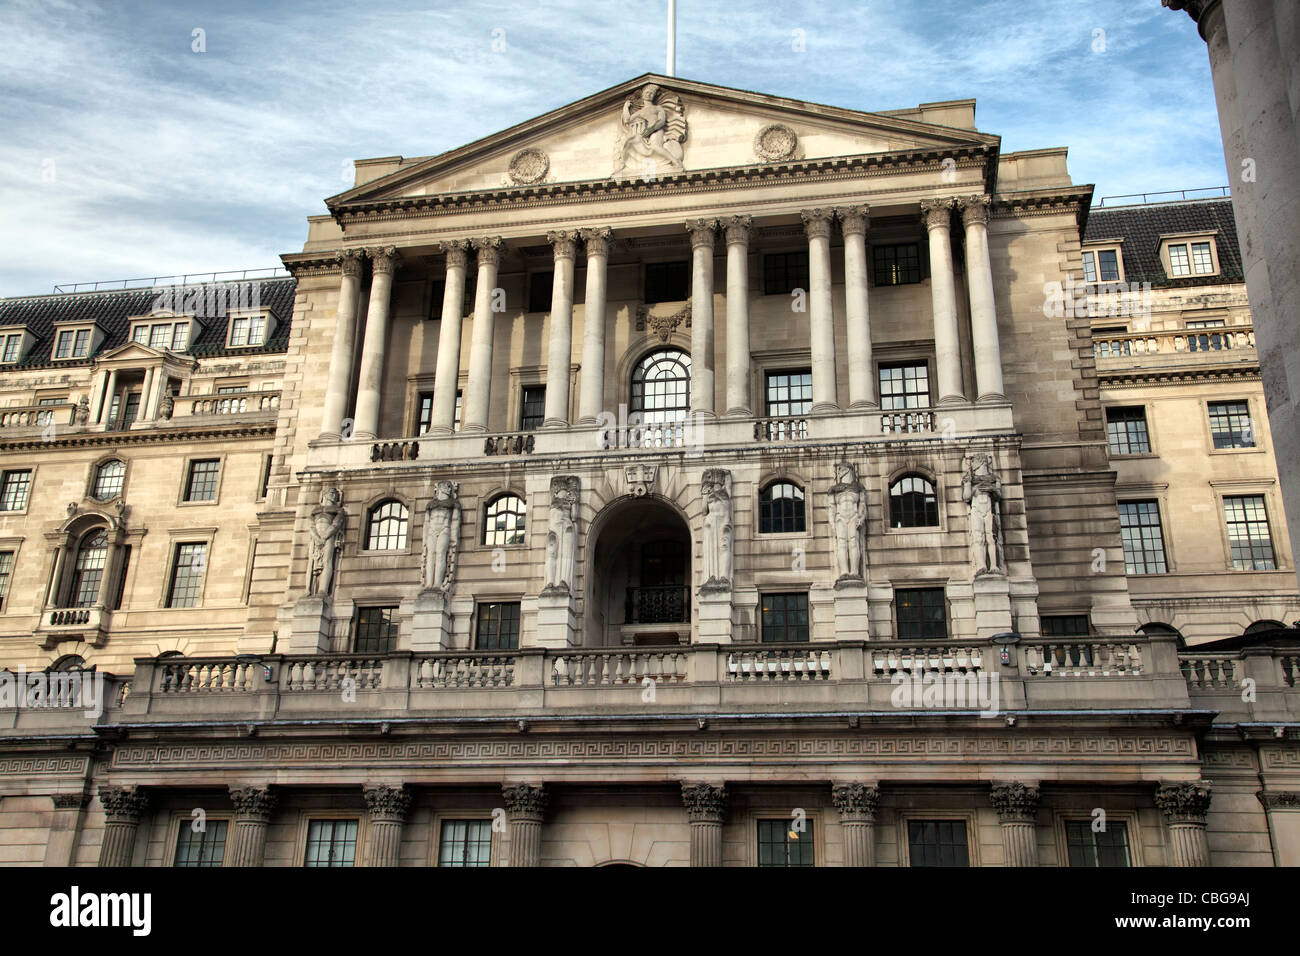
(112, 310)
(1142, 226)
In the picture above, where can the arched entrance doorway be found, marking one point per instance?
(641, 561)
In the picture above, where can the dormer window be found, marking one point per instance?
(72, 344)
(1103, 264)
(249, 329)
(11, 346)
(173, 334)
(1189, 256)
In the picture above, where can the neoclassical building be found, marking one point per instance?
(687, 476)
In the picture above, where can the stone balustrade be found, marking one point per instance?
(1084, 658)
(260, 404)
(37, 416)
(1183, 342)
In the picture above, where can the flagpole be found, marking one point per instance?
(672, 38)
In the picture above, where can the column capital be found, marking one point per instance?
(350, 261)
(385, 259)
(937, 213)
(1016, 802)
(701, 231)
(254, 803)
(123, 804)
(456, 250)
(856, 800)
(817, 222)
(738, 228)
(524, 800)
(597, 240)
(1271, 799)
(854, 219)
(76, 800)
(387, 802)
(974, 209)
(704, 802)
(564, 242)
(1184, 802)
(1196, 9)
(488, 249)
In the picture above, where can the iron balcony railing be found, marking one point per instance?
(662, 605)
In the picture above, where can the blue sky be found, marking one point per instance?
(125, 153)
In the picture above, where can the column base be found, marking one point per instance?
(438, 431)
(738, 413)
(953, 400)
(431, 622)
(329, 436)
(310, 633)
(364, 436)
(866, 405)
(703, 413)
(991, 398)
(824, 407)
(475, 427)
(555, 423)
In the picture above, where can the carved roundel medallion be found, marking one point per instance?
(775, 143)
(529, 166)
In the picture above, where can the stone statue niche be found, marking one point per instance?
(719, 532)
(327, 524)
(562, 535)
(651, 135)
(442, 519)
(981, 489)
(848, 509)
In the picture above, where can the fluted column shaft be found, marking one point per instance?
(345, 334)
(943, 298)
(525, 809)
(447, 372)
(983, 308)
(1185, 806)
(857, 805)
(591, 397)
(388, 807)
(559, 352)
(854, 221)
(478, 400)
(123, 808)
(1017, 806)
(738, 401)
(370, 384)
(706, 806)
(821, 317)
(253, 809)
(702, 315)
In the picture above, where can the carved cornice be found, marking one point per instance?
(1184, 802)
(738, 229)
(456, 250)
(597, 240)
(488, 249)
(244, 430)
(386, 802)
(856, 801)
(704, 803)
(1279, 799)
(564, 242)
(974, 209)
(937, 213)
(817, 223)
(254, 803)
(1016, 802)
(385, 260)
(350, 262)
(854, 220)
(76, 800)
(305, 265)
(702, 232)
(524, 801)
(123, 804)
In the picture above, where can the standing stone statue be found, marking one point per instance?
(562, 535)
(441, 537)
(718, 530)
(981, 489)
(327, 524)
(848, 507)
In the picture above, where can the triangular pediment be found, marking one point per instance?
(686, 126)
(130, 351)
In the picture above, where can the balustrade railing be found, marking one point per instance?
(463, 670)
(1084, 659)
(1205, 673)
(889, 660)
(1171, 342)
(331, 673)
(906, 422)
(37, 416)
(231, 403)
(781, 429)
(779, 664)
(518, 443)
(595, 668)
(206, 676)
(69, 617)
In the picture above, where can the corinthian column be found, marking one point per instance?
(705, 807)
(943, 296)
(475, 411)
(1017, 806)
(123, 807)
(591, 397)
(983, 309)
(559, 353)
(821, 318)
(345, 335)
(862, 379)
(701, 231)
(388, 806)
(857, 804)
(384, 262)
(1185, 806)
(253, 809)
(525, 807)
(447, 373)
(737, 228)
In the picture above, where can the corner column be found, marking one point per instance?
(106, 408)
(1017, 806)
(591, 392)
(854, 221)
(475, 410)
(1185, 806)
(525, 808)
(253, 809)
(384, 262)
(123, 808)
(345, 336)
(705, 807)
(821, 317)
(388, 806)
(738, 228)
(857, 804)
(943, 297)
(1282, 810)
(701, 231)
(559, 351)
(983, 308)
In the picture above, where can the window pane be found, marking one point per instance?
(897, 265)
(13, 491)
(904, 386)
(64, 347)
(937, 843)
(667, 282)
(780, 844)
(205, 848)
(388, 526)
(187, 574)
(921, 614)
(1109, 263)
(504, 521)
(159, 336)
(785, 618)
(180, 336)
(1108, 847)
(88, 570)
(376, 630)
(1144, 546)
(532, 409)
(539, 291)
(1089, 267)
(81, 348)
(1248, 534)
(6, 572)
(1231, 425)
(661, 388)
(912, 503)
(1178, 264)
(1202, 261)
(257, 330)
(498, 627)
(1065, 625)
(465, 843)
(1126, 431)
(783, 272)
(781, 509)
(239, 332)
(108, 480)
(202, 484)
(331, 843)
(424, 417)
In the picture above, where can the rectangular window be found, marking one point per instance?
(1089, 267)
(789, 393)
(465, 843)
(539, 291)
(1108, 265)
(257, 330)
(1202, 260)
(780, 844)
(532, 408)
(424, 414)
(140, 334)
(132, 410)
(81, 344)
(922, 615)
(937, 843)
(6, 573)
(785, 618)
(187, 574)
(1126, 431)
(205, 848)
(904, 385)
(1144, 545)
(202, 482)
(1248, 534)
(44, 418)
(897, 265)
(1205, 323)
(14, 487)
(1108, 847)
(376, 630)
(1231, 425)
(120, 591)
(455, 424)
(783, 272)
(667, 282)
(266, 476)
(180, 336)
(12, 344)
(331, 843)
(239, 332)
(159, 336)
(1065, 625)
(64, 347)
(498, 627)
(1178, 261)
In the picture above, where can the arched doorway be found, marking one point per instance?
(641, 576)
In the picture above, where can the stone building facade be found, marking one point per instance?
(687, 476)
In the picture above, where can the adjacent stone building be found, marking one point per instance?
(687, 476)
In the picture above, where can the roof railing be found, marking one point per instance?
(1216, 191)
(275, 272)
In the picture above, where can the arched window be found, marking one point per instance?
(1156, 629)
(386, 526)
(661, 386)
(69, 662)
(108, 480)
(88, 570)
(504, 520)
(781, 508)
(912, 503)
